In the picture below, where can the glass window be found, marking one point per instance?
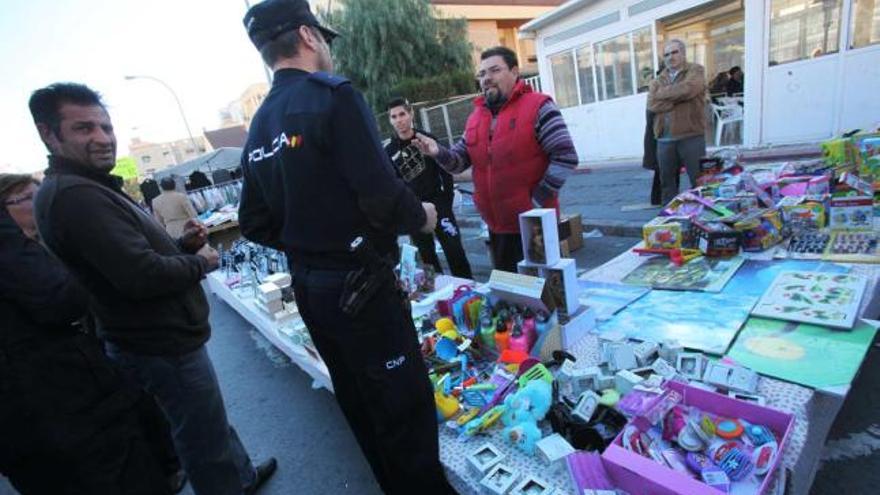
(585, 74)
(644, 58)
(614, 63)
(564, 85)
(801, 29)
(865, 29)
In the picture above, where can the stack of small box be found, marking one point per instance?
(540, 241)
(270, 297)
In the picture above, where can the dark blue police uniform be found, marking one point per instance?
(315, 177)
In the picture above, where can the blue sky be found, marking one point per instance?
(198, 47)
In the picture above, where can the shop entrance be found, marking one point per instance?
(715, 37)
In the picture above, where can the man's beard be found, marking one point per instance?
(492, 96)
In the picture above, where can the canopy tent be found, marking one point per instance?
(223, 158)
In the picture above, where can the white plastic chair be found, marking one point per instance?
(725, 114)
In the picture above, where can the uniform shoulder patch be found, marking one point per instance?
(331, 80)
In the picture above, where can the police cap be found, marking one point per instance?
(267, 20)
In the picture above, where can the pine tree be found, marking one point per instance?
(383, 42)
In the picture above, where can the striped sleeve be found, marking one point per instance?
(454, 160)
(553, 136)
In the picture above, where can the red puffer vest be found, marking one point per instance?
(509, 162)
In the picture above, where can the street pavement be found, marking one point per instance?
(276, 412)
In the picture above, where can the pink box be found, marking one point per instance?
(642, 476)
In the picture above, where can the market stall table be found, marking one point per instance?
(814, 410)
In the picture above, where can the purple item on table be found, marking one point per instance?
(635, 401)
(587, 472)
(697, 462)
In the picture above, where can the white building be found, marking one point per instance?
(812, 67)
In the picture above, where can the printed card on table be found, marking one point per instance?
(829, 299)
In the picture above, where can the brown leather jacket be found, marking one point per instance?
(683, 100)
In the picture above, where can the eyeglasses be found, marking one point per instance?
(669, 54)
(19, 200)
(495, 69)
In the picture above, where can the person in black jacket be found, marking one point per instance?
(148, 303)
(69, 421)
(315, 178)
(432, 184)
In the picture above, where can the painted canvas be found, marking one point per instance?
(700, 274)
(697, 320)
(830, 299)
(754, 276)
(810, 355)
(607, 298)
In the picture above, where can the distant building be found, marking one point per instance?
(811, 67)
(250, 101)
(495, 22)
(242, 110)
(153, 157)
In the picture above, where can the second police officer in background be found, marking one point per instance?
(315, 178)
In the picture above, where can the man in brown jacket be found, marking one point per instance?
(172, 209)
(678, 98)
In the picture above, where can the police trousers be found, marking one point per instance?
(379, 379)
(449, 235)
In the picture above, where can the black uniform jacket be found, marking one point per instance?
(316, 176)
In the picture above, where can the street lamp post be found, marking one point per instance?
(179, 106)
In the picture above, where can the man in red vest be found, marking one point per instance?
(520, 150)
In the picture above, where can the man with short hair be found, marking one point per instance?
(314, 179)
(678, 99)
(431, 184)
(172, 209)
(520, 150)
(147, 299)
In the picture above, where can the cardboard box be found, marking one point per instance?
(667, 233)
(571, 229)
(800, 214)
(852, 212)
(564, 250)
(642, 476)
(717, 239)
(540, 239)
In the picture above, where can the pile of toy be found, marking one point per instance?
(736, 209)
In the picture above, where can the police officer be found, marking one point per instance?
(431, 183)
(316, 177)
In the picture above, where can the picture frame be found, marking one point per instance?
(483, 458)
(691, 365)
(540, 236)
(532, 485)
(499, 479)
(586, 405)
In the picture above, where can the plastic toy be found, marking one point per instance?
(523, 410)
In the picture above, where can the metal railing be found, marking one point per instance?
(447, 120)
(534, 82)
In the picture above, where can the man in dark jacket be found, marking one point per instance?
(68, 420)
(431, 184)
(149, 305)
